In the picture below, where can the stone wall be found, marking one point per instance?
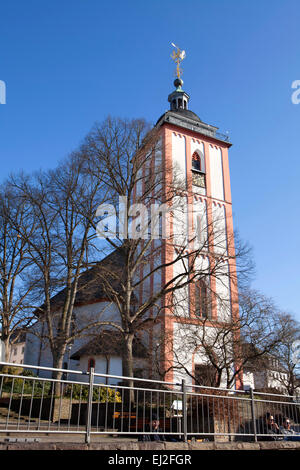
(152, 446)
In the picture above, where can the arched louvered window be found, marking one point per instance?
(198, 162)
(198, 169)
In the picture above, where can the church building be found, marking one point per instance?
(198, 153)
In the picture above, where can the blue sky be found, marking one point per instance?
(69, 63)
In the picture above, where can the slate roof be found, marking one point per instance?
(109, 342)
(185, 113)
(91, 282)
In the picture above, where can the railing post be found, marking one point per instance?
(184, 410)
(253, 414)
(89, 407)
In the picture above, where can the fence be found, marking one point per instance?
(95, 404)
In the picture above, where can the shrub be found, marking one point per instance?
(22, 385)
(101, 394)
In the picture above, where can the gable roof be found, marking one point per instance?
(111, 343)
(91, 283)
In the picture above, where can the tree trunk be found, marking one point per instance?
(58, 357)
(127, 367)
(6, 349)
(4, 369)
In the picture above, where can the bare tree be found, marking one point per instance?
(61, 205)
(287, 354)
(225, 348)
(15, 263)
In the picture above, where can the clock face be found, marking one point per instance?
(199, 180)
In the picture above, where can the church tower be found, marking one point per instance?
(199, 153)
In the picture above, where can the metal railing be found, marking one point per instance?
(198, 127)
(96, 404)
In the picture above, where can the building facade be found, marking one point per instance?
(265, 374)
(195, 155)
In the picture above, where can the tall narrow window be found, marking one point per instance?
(202, 300)
(198, 170)
(91, 363)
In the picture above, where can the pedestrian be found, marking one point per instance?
(152, 427)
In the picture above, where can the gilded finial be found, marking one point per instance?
(178, 57)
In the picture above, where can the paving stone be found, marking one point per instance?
(176, 445)
(279, 445)
(101, 446)
(128, 446)
(31, 446)
(224, 446)
(151, 445)
(71, 446)
(201, 446)
(247, 446)
(269, 445)
(290, 445)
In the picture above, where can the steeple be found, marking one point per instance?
(179, 113)
(178, 99)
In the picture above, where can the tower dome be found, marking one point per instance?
(179, 99)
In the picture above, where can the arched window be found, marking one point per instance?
(91, 363)
(198, 162)
(202, 299)
(198, 169)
